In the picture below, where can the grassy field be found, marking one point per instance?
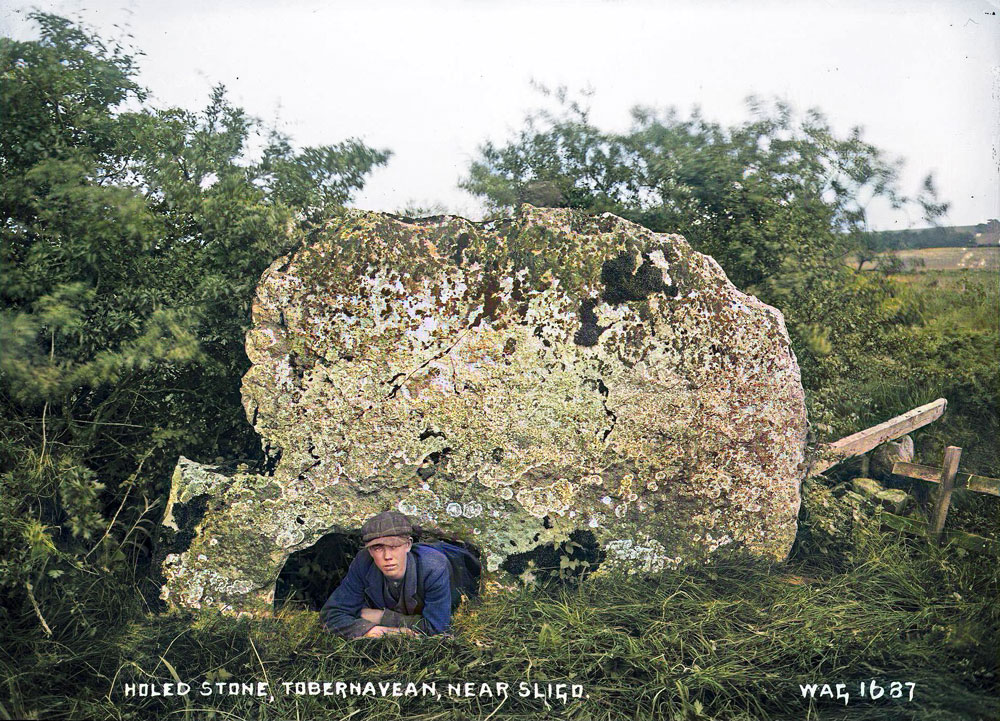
(962, 298)
(930, 259)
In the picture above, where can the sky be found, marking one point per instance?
(432, 79)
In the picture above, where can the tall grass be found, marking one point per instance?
(729, 641)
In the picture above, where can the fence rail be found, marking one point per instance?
(863, 441)
(949, 479)
(946, 476)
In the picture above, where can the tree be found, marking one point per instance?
(762, 197)
(779, 201)
(131, 244)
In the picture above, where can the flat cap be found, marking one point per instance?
(387, 523)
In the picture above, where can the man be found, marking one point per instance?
(396, 586)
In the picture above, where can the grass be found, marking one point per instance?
(729, 641)
(956, 298)
(931, 259)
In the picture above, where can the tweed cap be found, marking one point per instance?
(387, 523)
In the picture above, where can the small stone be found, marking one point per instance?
(893, 500)
(883, 457)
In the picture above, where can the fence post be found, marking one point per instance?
(949, 469)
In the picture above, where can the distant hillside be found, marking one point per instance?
(955, 236)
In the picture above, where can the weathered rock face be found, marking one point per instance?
(505, 383)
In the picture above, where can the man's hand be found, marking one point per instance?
(373, 615)
(379, 631)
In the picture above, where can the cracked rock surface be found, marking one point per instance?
(505, 383)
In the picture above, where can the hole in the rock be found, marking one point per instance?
(312, 574)
(272, 457)
(460, 245)
(437, 456)
(187, 516)
(568, 560)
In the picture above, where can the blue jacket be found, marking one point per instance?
(425, 602)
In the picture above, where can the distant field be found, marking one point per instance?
(981, 258)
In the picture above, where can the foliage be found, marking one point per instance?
(131, 241)
(761, 197)
(728, 641)
(779, 201)
(133, 238)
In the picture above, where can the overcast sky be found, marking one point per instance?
(432, 80)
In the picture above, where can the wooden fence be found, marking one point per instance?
(947, 476)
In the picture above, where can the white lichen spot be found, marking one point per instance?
(193, 594)
(648, 555)
(472, 509)
(289, 538)
(242, 586)
(453, 509)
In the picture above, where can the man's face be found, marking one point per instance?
(389, 554)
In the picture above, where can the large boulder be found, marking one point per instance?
(506, 383)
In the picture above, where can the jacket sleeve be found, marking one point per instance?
(342, 611)
(436, 615)
(396, 619)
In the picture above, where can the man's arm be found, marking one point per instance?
(342, 611)
(395, 619)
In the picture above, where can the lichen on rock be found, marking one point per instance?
(506, 383)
